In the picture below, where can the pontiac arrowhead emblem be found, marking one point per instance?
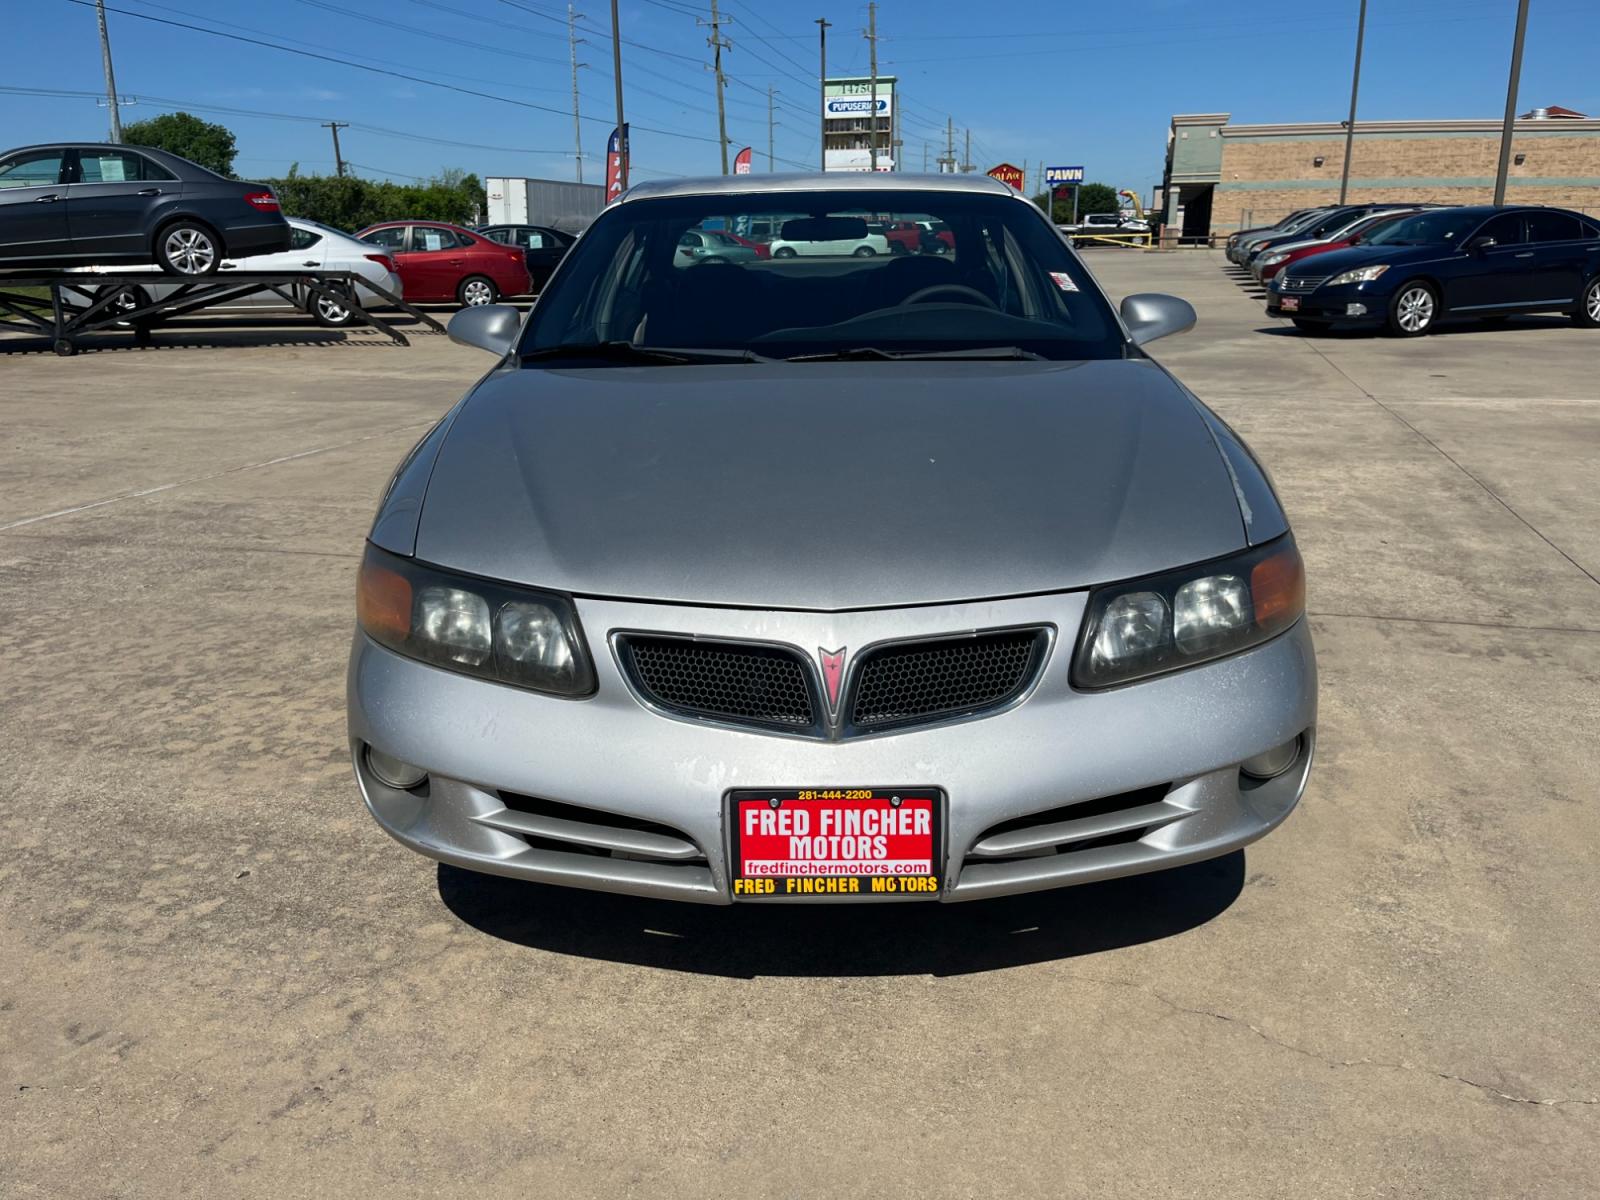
(832, 674)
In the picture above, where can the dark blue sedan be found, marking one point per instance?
(1452, 262)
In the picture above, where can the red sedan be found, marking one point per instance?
(440, 262)
(1352, 237)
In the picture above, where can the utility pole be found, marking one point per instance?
(616, 73)
(718, 44)
(872, 42)
(1511, 106)
(1355, 88)
(966, 159)
(947, 164)
(771, 122)
(338, 159)
(111, 78)
(822, 88)
(577, 123)
(924, 156)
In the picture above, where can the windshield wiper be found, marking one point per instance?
(630, 352)
(861, 353)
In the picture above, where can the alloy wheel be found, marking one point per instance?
(334, 314)
(1414, 310)
(190, 251)
(1592, 302)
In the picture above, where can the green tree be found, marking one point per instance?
(1092, 198)
(1097, 198)
(352, 203)
(180, 133)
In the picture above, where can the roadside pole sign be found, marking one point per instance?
(1059, 176)
(1006, 173)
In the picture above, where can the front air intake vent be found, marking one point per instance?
(746, 683)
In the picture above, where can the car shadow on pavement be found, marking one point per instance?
(851, 940)
(1447, 327)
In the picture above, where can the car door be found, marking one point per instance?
(544, 252)
(435, 259)
(112, 198)
(1560, 261)
(305, 253)
(33, 210)
(1491, 274)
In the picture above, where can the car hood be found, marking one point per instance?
(1335, 262)
(828, 486)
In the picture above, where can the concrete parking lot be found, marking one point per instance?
(221, 979)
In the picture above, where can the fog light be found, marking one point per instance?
(392, 772)
(1273, 762)
(1355, 310)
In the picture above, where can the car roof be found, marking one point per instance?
(841, 181)
(165, 156)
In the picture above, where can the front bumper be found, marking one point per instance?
(604, 793)
(1331, 305)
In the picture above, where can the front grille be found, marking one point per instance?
(1300, 284)
(923, 681)
(740, 682)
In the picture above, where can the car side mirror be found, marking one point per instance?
(1151, 315)
(1480, 243)
(491, 327)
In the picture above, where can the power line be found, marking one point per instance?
(344, 62)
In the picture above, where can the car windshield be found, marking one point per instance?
(1449, 227)
(987, 277)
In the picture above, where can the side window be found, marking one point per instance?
(428, 237)
(1552, 227)
(303, 239)
(392, 238)
(38, 169)
(1590, 229)
(117, 166)
(1506, 230)
(689, 241)
(533, 239)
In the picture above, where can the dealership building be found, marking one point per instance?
(1221, 177)
(847, 121)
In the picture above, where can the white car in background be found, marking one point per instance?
(312, 247)
(864, 246)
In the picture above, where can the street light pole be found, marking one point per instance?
(1355, 88)
(577, 122)
(111, 79)
(822, 89)
(1507, 127)
(616, 73)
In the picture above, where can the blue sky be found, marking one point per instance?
(1070, 84)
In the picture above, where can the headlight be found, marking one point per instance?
(1272, 260)
(1168, 622)
(1359, 275)
(495, 631)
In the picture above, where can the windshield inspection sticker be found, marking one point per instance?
(1063, 281)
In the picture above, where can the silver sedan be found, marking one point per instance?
(892, 578)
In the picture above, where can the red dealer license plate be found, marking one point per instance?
(1289, 303)
(822, 843)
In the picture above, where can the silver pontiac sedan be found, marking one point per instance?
(822, 579)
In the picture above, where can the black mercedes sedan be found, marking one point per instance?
(1475, 261)
(82, 202)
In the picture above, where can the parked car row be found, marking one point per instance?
(1407, 270)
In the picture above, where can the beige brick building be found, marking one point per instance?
(1220, 177)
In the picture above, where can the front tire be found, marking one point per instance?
(476, 291)
(784, 252)
(1414, 310)
(188, 248)
(1588, 314)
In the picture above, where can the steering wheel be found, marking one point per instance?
(921, 294)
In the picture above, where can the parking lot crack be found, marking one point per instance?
(1345, 1063)
(167, 487)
